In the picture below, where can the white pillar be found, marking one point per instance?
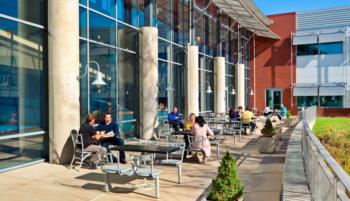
(148, 40)
(192, 90)
(219, 84)
(63, 44)
(240, 88)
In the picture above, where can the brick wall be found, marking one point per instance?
(333, 112)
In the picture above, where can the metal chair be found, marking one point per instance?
(235, 127)
(195, 145)
(113, 167)
(142, 168)
(78, 147)
(171, 159)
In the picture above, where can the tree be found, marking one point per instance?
(227, 185)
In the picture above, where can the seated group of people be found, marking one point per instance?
(106, 133)
(281, 114)
(246, 116)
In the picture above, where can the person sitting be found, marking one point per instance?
(201, 129)
(234, 114)
(283, 113)
(175, 119)
(247, 117)
(88, 133)
(109, 132)
(267, 111)
(190, 122)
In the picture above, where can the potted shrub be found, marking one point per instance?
(227, 185)
(267, 141)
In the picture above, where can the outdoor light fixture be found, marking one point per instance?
(233, 92)
(251, 91)
(98, 82)
(208, 91)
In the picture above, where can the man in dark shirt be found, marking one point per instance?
(88, 132)
(175, 119)
(109, 131)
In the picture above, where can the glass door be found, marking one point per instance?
(273, 98)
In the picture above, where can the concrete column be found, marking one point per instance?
(64, 113)
(192, 90)
(240, 89)
(148, 37)
(219, 84)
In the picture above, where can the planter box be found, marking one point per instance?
(267, 145)
(239, 199)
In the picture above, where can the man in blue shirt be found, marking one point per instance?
(109, 131)
(175, 119)
(283, 112)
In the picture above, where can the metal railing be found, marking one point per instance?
(327, 180)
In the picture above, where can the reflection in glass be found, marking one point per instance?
(102, 29)
(127, 11)
(164, 19)
(21, 77)
(104, 6)
(17, 151)
(127, 37)
(206, 100)
(178, 54)
(82, 22)
(33, 11)
(164, 49)
(104, 99)
(83, 81)
(128, 93)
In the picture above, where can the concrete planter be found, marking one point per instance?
(267, 145)
(291, 122)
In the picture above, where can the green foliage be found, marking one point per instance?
(334, 133)
(227, 185)
(268, 130)
(288, 115)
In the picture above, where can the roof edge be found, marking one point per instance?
(255, 9)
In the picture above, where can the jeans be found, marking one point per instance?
(114, 141)
(95, 148)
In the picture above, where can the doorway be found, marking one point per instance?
(273, 98)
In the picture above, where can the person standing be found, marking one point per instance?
(88, 133)
(109, 131)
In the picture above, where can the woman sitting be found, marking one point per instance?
(200, 130)
(190, 122)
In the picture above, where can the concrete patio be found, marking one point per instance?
(261, 175)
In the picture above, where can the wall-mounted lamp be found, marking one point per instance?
(208, 91)
(98, 82)
(251, 91)
(233, 92)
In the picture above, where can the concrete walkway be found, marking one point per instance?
(260, 174)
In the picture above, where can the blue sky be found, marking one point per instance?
(283, 6)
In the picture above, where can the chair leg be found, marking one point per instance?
(71, 163)
(157, 187)
(218, 150)
(179, 174)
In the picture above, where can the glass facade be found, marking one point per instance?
(325, 101)
(324, 48)
(23, 78)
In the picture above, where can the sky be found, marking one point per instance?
(269, 7)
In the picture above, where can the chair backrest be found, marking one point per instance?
(180, 152)
(173, 138)
(235, 125)
(141, 161)
(77, 139)
(195, 142)
(148, 142)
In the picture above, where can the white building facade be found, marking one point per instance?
(322, 58)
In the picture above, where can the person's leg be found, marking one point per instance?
(105, 144)
(253, 126)
(181, 125)
(95, 148)
(120, 141)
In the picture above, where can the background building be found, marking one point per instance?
(149, 52)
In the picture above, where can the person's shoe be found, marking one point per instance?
(92, 165)
(123, 162)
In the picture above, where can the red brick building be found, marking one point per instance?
(275, 66)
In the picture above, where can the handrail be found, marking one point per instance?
(337, 169)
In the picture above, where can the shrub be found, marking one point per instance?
(268, 130)
(227, 185)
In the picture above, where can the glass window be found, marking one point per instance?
(104, 6)
(127, 37)
(103, 99)
(164, 19)
(179, 88)
(331, 101)
(229, 96)
(164, 49)
(17, 151)
(102, 29)
(82, 22)
(22, 77)
(83, 81)
(82, 2)
(32, 11)
(199, 31)
(178, 54)
(206, 100)
(331, 48)
(165, 87)
(128, 93)
(310, 49)
(128, 11)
